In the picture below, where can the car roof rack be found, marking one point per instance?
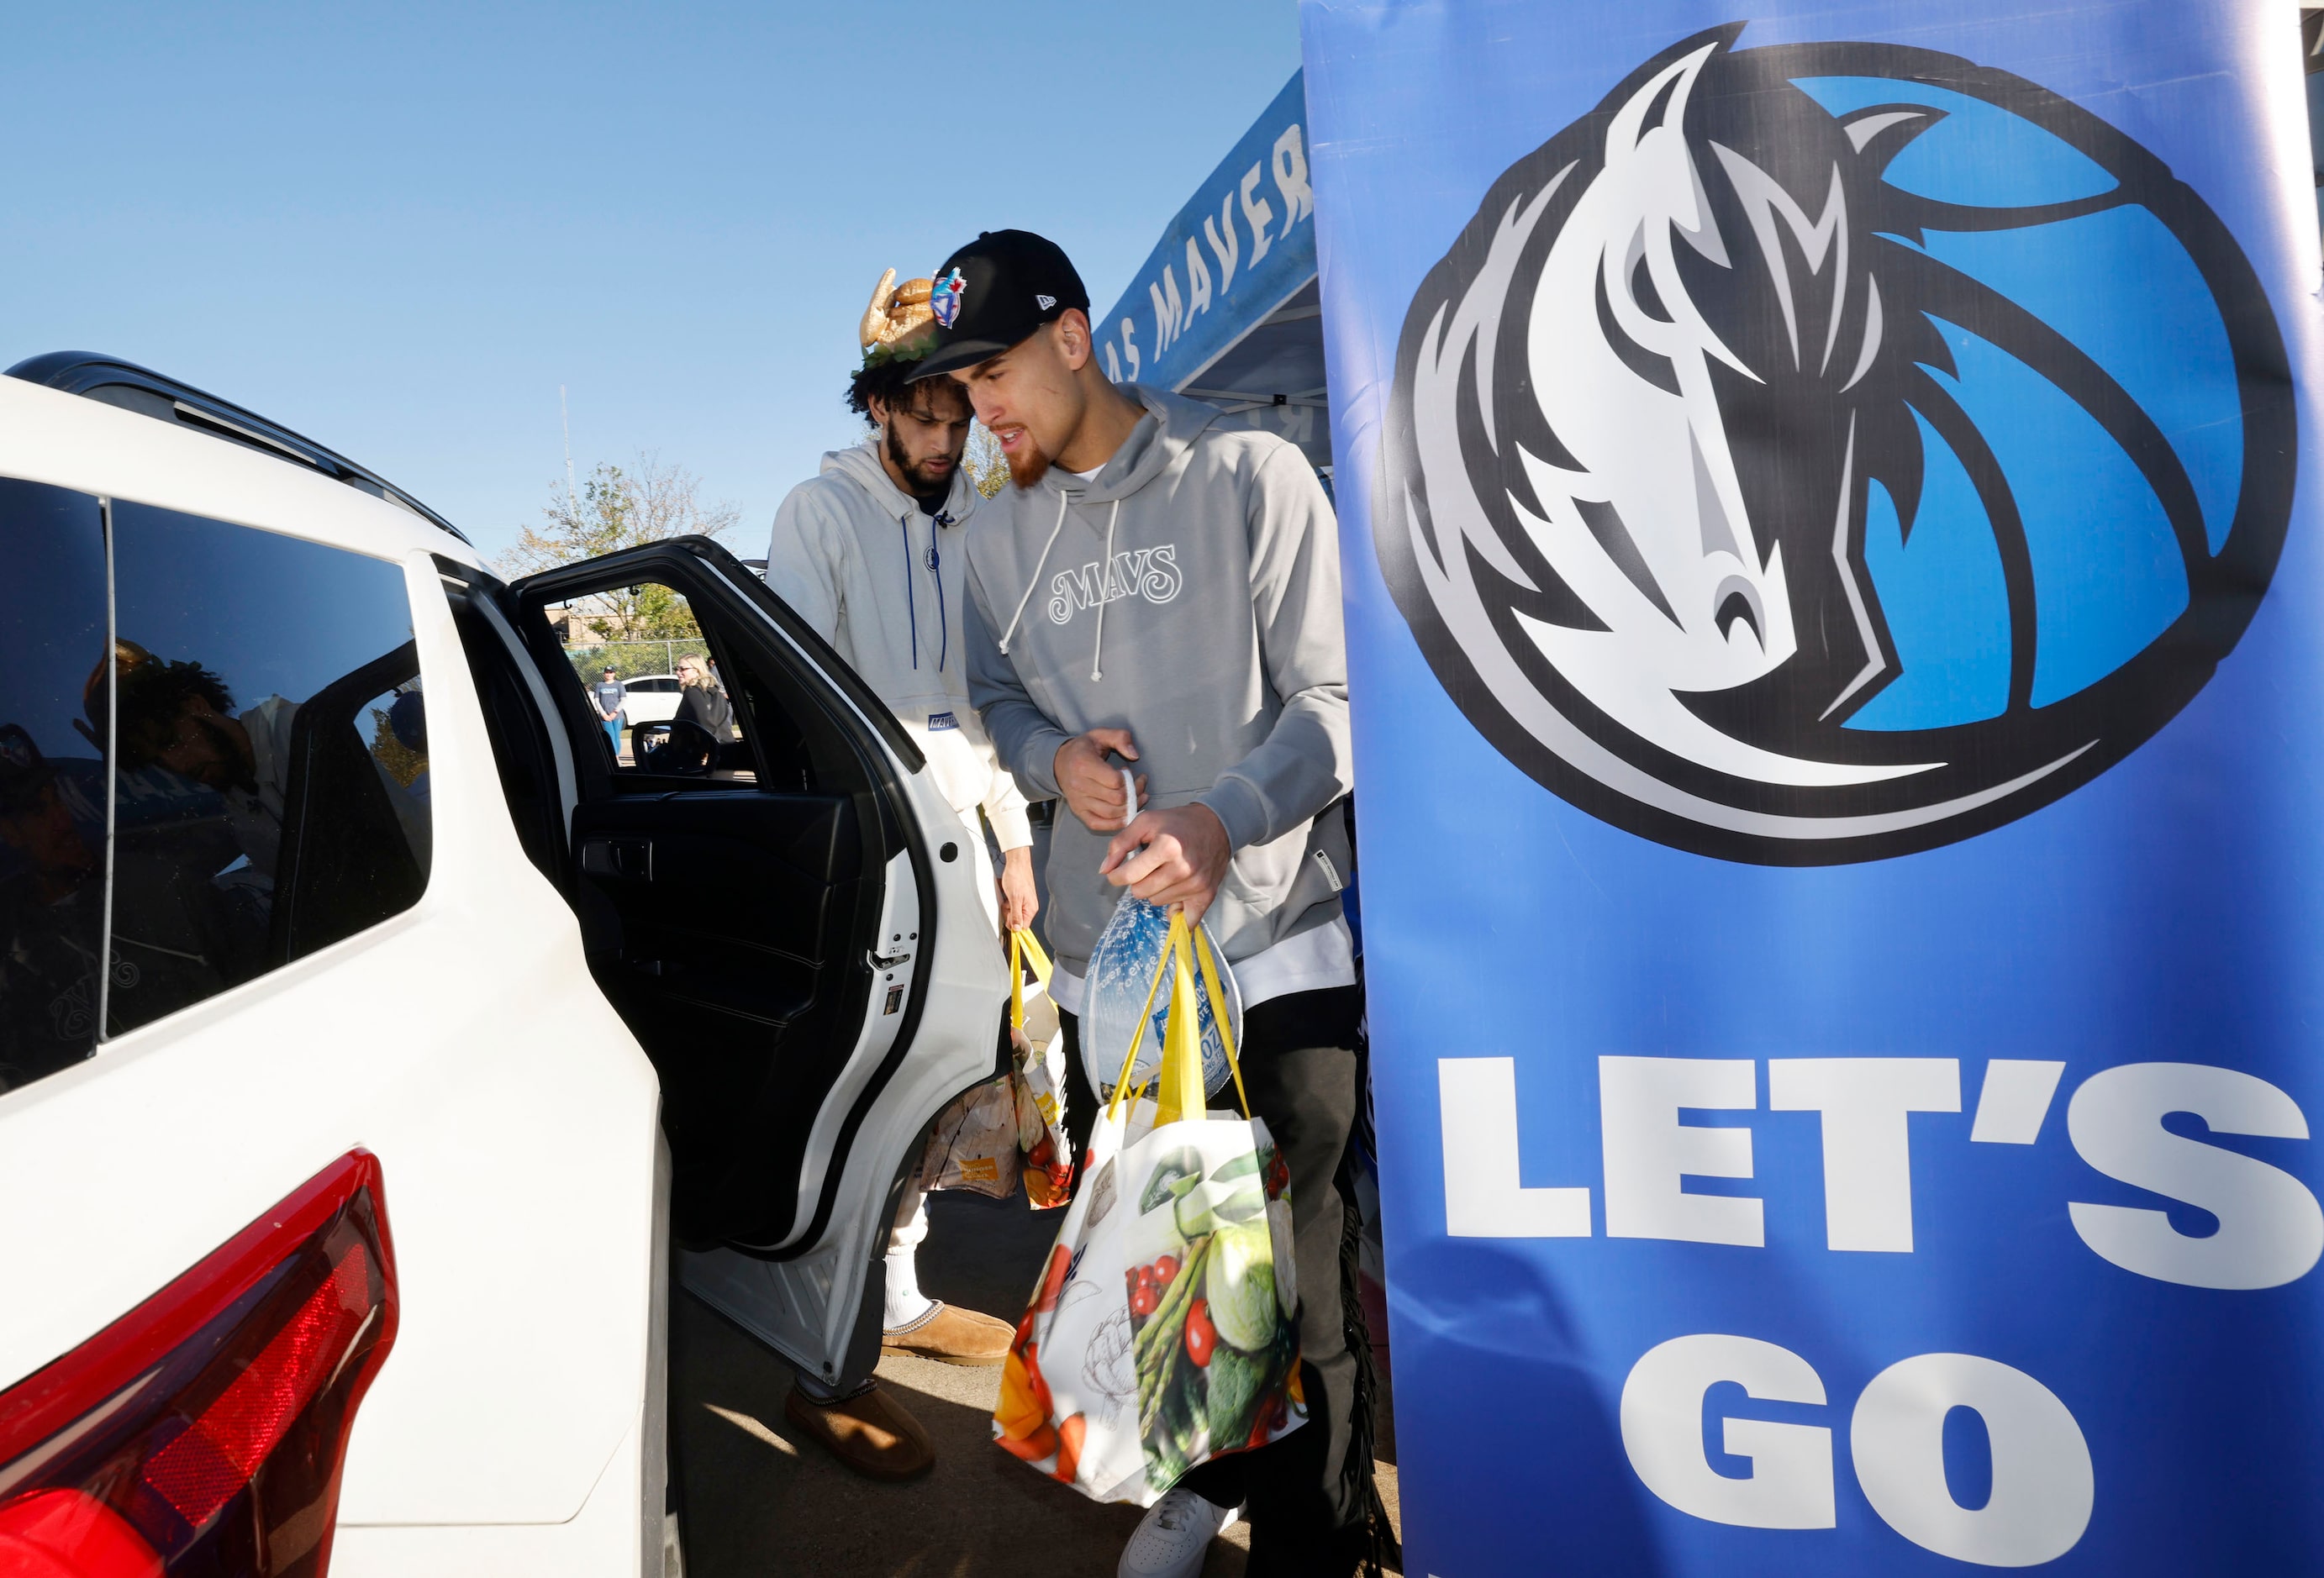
(149, 393)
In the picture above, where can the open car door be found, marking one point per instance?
(776, 899)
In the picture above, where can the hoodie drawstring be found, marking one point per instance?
(911, 604)
(944, 617)
(911, 607)
(1040, 565)
(1105, 595)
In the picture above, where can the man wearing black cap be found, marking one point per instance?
(1160, 590)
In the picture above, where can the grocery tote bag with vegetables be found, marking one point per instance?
(1161, 1335)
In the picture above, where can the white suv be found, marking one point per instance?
(368, 1031)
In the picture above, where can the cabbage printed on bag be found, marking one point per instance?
(1216, 1347)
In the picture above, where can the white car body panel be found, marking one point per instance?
(517, 1426)
(507, 1103)
(650, 706)
(603, 1540)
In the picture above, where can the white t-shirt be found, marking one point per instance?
(1319, 958)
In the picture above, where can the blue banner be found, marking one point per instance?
(1834, 630)
(1244, 243)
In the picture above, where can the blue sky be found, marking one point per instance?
(399, 230)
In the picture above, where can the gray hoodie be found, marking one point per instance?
(855, 557)
(1215, 638)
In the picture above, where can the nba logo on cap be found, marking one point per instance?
(944, 299)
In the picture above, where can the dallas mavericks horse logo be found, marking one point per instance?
(1822, 452)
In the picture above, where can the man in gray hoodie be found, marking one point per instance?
(1157, 589)
(865, 553)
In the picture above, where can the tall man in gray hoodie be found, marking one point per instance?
(1158, 590)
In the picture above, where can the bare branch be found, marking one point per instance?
(618, 509)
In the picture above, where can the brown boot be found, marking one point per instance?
(951, 1337)
(869, 1433)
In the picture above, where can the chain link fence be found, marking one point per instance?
(628, 658)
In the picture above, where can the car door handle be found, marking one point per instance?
(620, 857)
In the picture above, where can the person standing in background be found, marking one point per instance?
(868, 552)
(611, 694)
(700, 702)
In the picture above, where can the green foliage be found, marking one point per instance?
(400, 762)
(615, 508)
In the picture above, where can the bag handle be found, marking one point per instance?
(1186, 955)
(1023, 945)
(1219, 1013)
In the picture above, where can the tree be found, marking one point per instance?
(616, 510)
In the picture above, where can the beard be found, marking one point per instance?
(1026, 465)
(921, 485)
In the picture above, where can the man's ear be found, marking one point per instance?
(1074, 337)
(879, 411)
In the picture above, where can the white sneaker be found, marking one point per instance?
(1175, 1535)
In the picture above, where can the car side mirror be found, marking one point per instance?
(676, 748)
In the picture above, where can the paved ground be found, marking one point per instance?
(762, 1504)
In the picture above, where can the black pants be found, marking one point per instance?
(1305, 1502)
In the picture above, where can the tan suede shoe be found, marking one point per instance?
(951, 1337)
(871, 1433)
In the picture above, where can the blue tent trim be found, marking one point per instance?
(1225, 308)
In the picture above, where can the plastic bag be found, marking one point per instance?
(1162, 1333)
(1116, 993)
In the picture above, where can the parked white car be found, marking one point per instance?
(368, 1032)
(651, 698)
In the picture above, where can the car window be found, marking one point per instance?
(269, 754)
(647, 630)
(51, 780)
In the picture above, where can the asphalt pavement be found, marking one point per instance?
(762, 1501)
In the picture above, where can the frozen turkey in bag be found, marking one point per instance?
(1120, 986)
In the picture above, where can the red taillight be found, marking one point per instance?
(203, 1432)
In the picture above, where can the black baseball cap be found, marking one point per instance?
(995, 292)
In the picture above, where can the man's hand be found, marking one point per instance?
(1091, 785)
(1183, 860)
(1020, 903)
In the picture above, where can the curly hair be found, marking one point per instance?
(889, 380)
(152, 693)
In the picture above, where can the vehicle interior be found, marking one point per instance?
(728, 872)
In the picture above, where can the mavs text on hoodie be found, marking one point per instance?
(880, 579)
(1189, 593)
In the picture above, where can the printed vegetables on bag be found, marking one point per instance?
(1212, 1340)
(1161, 1333)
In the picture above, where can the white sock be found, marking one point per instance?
(906, 1302)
